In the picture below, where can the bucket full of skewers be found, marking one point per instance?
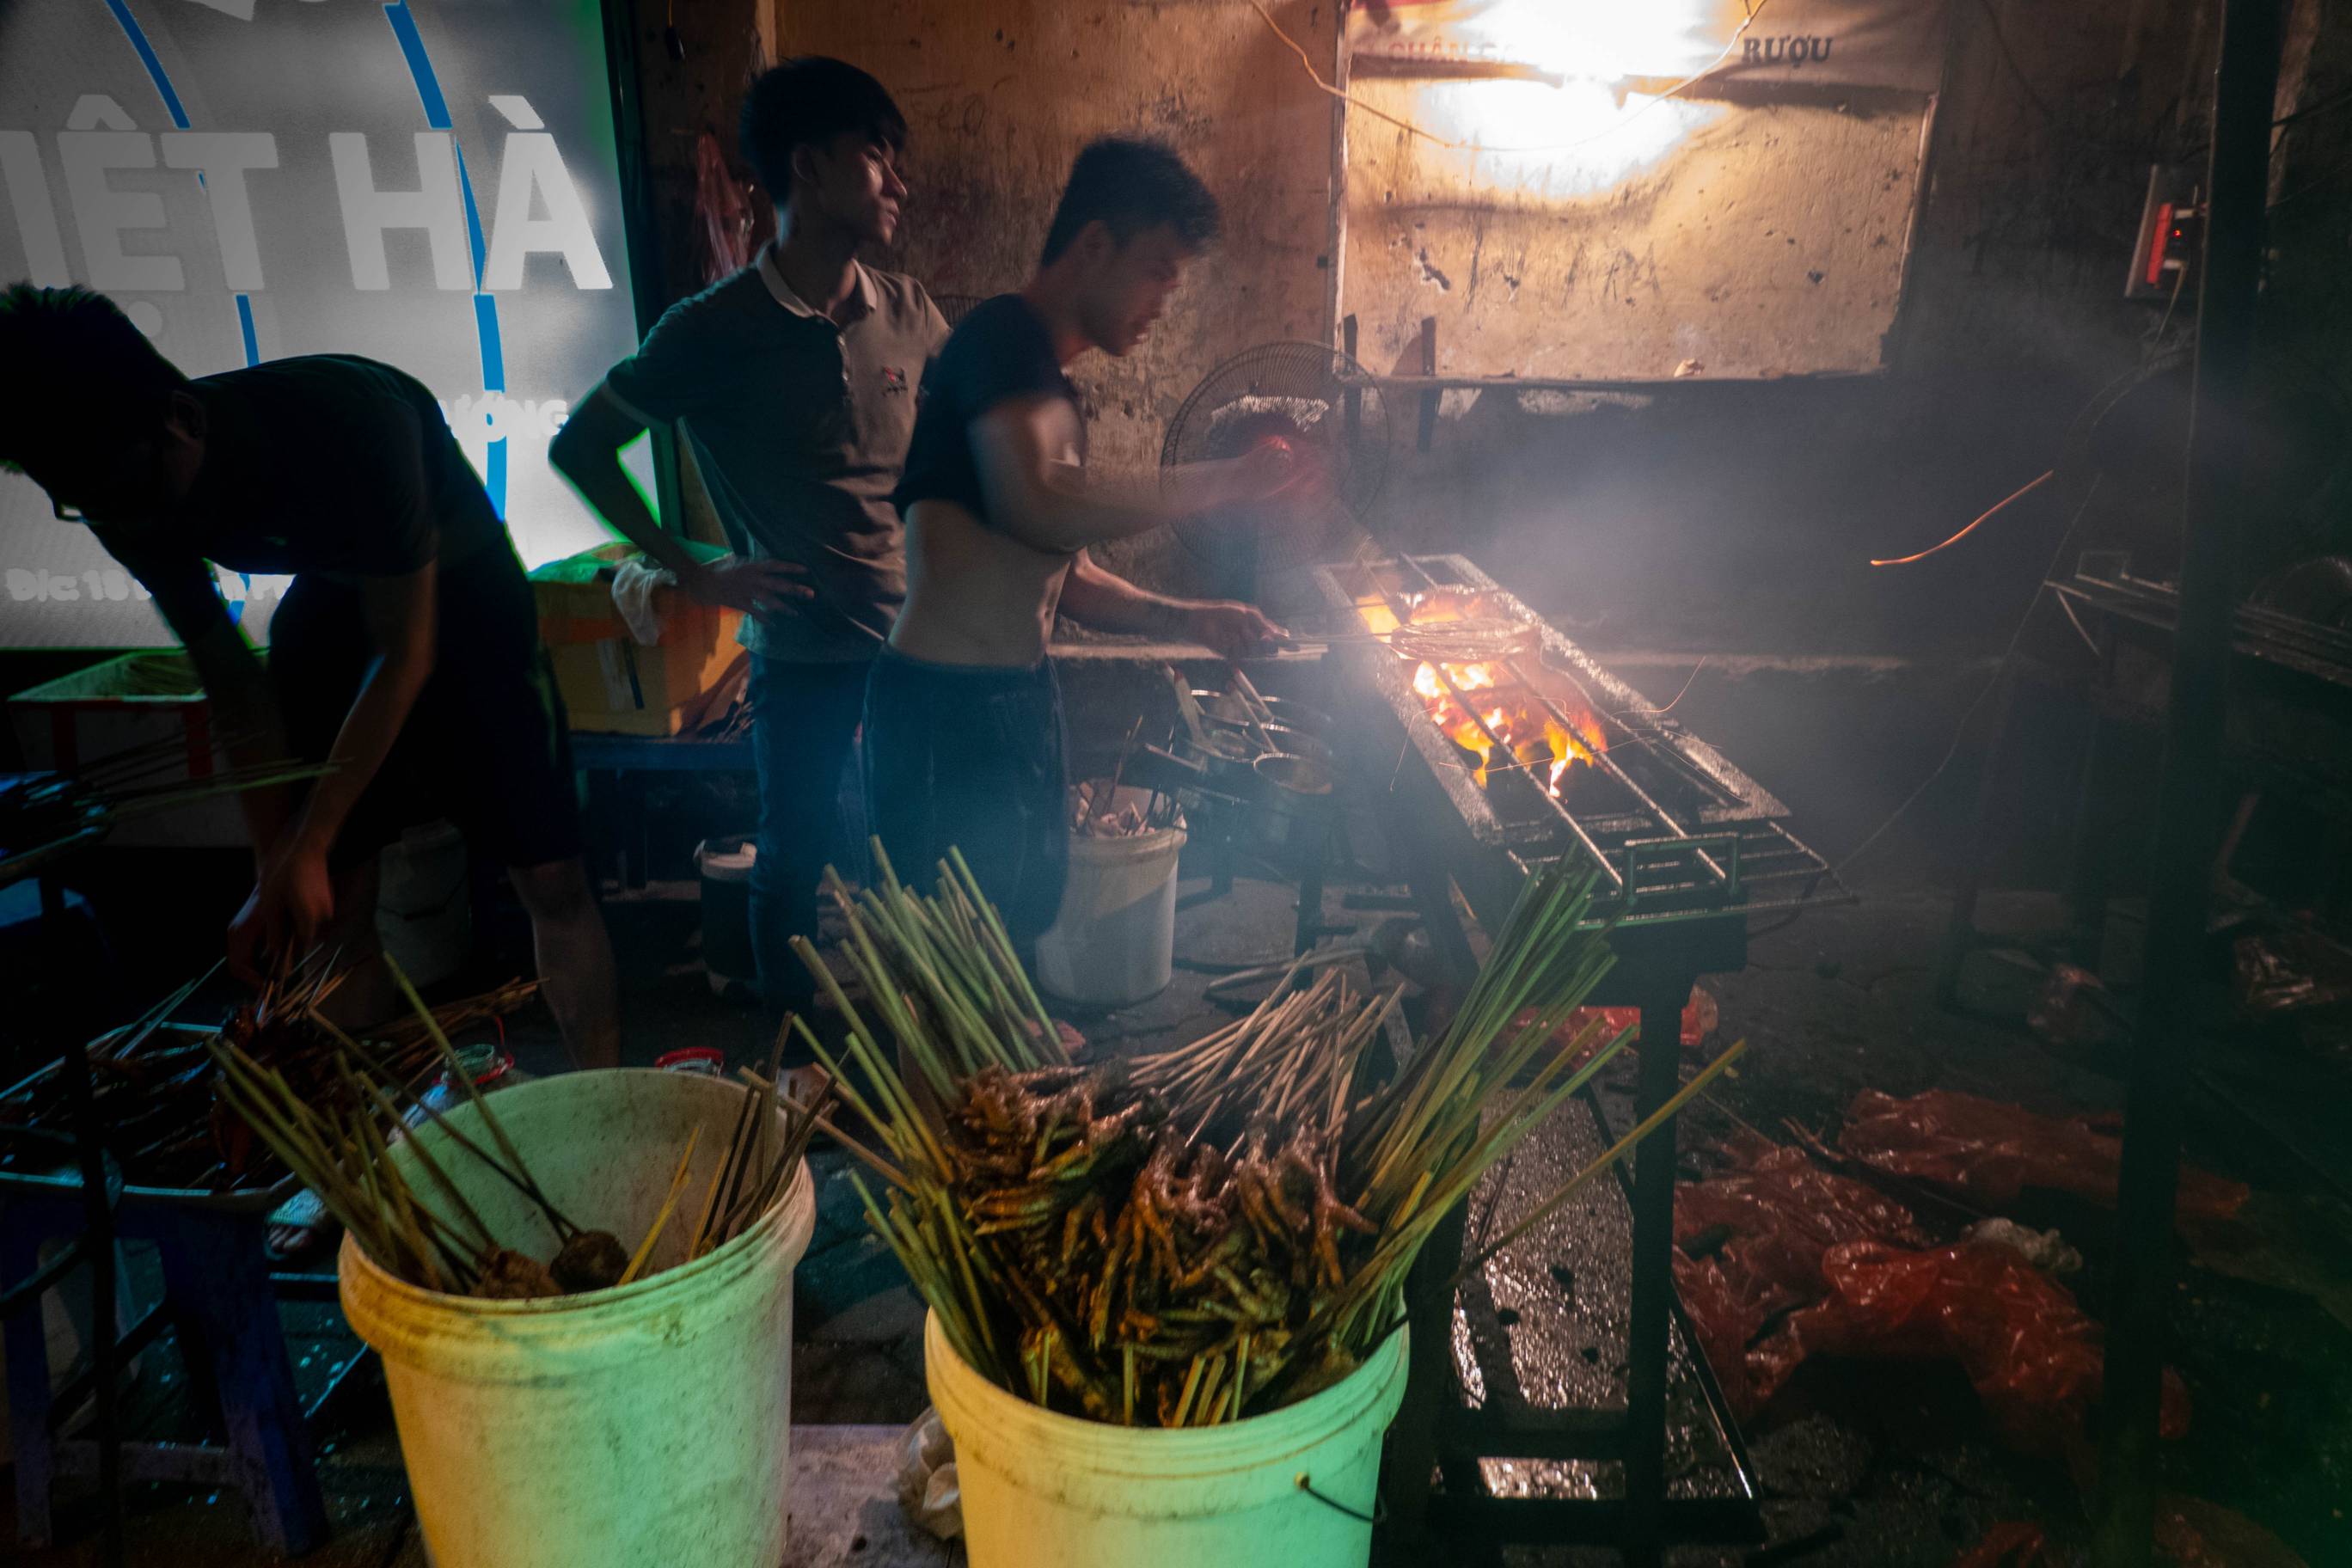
(1114, 942)
(582, 1294)
(1167, 1293)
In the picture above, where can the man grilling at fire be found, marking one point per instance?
(963, 716)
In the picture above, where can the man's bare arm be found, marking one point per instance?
(244, 708)
(293, 901)
(1095, 597)
(400, 615)
(1026, 449)
(587, 451)
(1107, 602)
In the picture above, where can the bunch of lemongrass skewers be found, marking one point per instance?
(429, 1233)
(1232, 1229)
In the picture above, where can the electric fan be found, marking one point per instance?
(1322, 402)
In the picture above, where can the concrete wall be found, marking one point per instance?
(1741, 519)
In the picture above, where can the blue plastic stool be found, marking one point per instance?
(217, 1293)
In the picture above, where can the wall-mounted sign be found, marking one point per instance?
(429, 182)
(1650, 44)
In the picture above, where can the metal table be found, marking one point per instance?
(616, 766)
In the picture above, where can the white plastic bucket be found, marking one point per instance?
(637, 1427)
(1114, 940)
(424, 907)
(1046, 1490)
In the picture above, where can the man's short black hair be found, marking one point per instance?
(77, 378)
(808, 100)
(1131, 186)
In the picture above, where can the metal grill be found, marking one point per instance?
(1518, 752)
(1676, 831)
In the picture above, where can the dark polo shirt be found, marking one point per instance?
(799, 425)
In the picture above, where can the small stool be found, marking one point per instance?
(218, 1294)
(57, 938)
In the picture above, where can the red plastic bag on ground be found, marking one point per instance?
(1991, 1151)
(2034, 1357)
(2194, 1534)
(1699, 1018)
(1773, 1221)
(2189, 1532)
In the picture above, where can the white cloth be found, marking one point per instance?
(633, 596)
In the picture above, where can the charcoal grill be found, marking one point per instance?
(1688, 849)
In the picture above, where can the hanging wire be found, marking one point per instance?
(1307, 62)
(2023, 490)
(1999, 668)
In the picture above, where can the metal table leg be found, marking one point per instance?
(98, 1240)
(1409, 1463)
(1653, 1283)
(1308, 930)
(1960, 936)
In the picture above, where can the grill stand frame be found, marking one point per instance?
(1679, 895)
(1656, 966)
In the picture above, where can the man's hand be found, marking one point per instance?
(761, 588)
(1266, 469)
(292, 906)
(1233, 631)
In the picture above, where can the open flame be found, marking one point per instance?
(1532, 737)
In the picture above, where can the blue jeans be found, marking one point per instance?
(805, 720)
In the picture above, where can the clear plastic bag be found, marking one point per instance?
(926, 1479)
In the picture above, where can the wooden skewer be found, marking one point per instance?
(677, 1186)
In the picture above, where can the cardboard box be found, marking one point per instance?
(612, 684)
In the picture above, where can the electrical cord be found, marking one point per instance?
(2322, 107)
(2000, 42)
(2021, 490)
(1999, 669)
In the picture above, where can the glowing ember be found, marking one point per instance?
(1531, 738)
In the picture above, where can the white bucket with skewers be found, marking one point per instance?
(1296, 1487)
(639, 1426)
(1114, 942)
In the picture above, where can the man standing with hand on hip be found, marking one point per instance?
(794, 380)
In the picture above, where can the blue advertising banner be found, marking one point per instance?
(429, 182)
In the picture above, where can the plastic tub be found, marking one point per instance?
(424, 906)
(636, 1428)
(1046, 1490)
(1114, 940)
